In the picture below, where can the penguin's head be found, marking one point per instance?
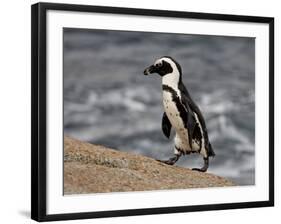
(163, 66)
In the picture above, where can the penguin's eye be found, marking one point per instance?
(159, 64)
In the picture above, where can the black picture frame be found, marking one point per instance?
(39, 122)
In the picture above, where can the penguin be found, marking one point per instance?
(181, 113)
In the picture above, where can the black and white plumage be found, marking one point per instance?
(181, 113)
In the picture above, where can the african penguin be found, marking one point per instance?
(181, 113)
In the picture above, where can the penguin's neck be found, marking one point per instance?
(172, 80)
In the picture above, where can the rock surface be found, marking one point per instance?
(95, 169)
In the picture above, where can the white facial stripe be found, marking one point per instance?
(171, 79)
(158, 61)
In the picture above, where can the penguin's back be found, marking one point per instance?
(200, 131)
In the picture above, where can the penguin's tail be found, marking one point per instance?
(211, 151)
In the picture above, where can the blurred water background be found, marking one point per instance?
(108, 100)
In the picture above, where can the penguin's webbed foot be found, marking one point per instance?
(205, 167)
(170, 161)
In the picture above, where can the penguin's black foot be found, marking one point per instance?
(205, 167)
(170, 161)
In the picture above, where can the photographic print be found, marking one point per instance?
(154, 115)
(144, 111)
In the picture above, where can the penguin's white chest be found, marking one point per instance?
(172, 112)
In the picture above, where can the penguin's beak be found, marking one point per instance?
(151, 69)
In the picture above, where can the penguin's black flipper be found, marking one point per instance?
(191, 124)
(210, 150)
(166, 125)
